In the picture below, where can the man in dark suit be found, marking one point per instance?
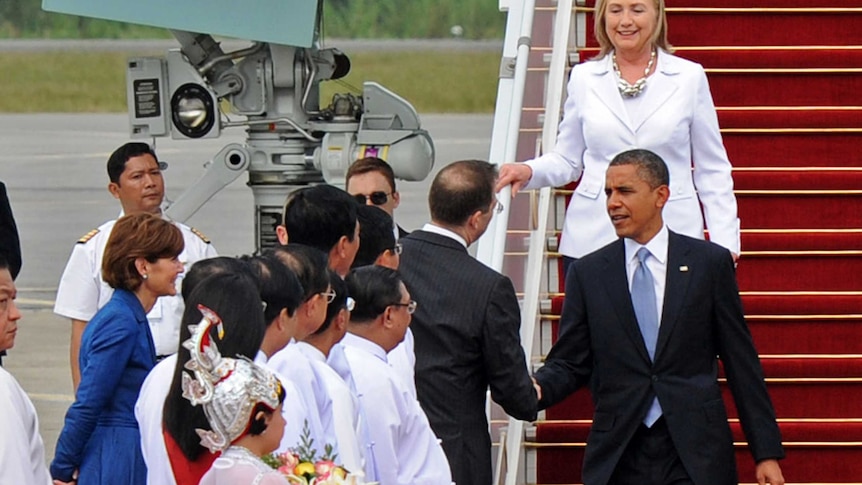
(643, 321)
(466, 325)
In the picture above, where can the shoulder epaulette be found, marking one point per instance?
(200, 235)
(88, 236)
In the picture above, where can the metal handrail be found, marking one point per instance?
(492, 248)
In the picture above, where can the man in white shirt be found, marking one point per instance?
(136, 181)
(404, 450)
(22, 454)
(337, 405)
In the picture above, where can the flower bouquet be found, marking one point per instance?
(302, 467)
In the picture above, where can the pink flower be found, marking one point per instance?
(289, 460)
(323, 468)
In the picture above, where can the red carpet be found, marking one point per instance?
(785, 76)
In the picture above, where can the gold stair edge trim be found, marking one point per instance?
(797, 169)
(692, 48)
(738, 444)
(759, 317)
(788, 108)
(730, 420)
(752, 130)
(798, 192)
(583, 9)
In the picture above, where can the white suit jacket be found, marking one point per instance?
(676, 119)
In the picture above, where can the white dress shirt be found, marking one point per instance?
(404, 448)
(338, 408)
(656, 263)
(82, 291)
(22, 453)
(292, 365)
(149, 411)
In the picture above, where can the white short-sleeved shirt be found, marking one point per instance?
(403, 446)
(22, 453)
(82, 291)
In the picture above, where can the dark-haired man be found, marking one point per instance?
(337, 405)
(323, 217)
(372, 182)
(466, 328)
(643, 321)
(403, 448)
(22, 453)
(136, 181)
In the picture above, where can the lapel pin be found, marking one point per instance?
(683, 269)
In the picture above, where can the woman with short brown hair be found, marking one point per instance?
(100, 441)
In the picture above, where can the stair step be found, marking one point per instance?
(800, 209)
(811, 456)
(760, 26)
(848, 179)
(756, 57)
(793, 148)
(781, 305)
(790, 117)
(810, 396)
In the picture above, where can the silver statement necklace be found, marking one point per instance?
(632, 90)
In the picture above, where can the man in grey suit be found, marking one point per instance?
(466, 325)
(643, 321)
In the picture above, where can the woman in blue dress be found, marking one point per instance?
(100, 443)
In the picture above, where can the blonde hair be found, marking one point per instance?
(659, 37)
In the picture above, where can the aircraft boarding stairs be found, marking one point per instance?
(786, 77)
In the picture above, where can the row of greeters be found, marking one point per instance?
(391, 367)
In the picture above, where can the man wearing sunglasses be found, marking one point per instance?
(372, 182)
(466, 327)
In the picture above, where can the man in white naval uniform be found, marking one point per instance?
(136, 181)
(402, 445)
(22, 453)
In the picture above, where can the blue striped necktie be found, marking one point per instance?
(644, 303)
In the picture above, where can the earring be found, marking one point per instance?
(145, 276)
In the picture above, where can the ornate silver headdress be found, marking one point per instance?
(227, 389)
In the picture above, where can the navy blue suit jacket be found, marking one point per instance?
(702, 319)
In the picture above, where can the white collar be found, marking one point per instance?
(657, 246)
(442, 231)
(362, 343)
(310, 351)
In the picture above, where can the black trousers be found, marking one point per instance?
(650, 459)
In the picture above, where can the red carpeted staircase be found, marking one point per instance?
(786, 76)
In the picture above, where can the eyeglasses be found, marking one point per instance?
(397, 248)
(377, 198)
(411, 306)
(350, 304)
(329, 295)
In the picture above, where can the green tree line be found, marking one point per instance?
(471, 19)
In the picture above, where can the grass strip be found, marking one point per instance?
(94, 82)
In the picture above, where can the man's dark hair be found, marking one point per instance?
(318, 216)
(461, 189)
(4, 264)
(337, 304)
(373, 288)
(235, 299)
(376, 235)
(307, 263)
(205, 268)
(279, 287)
(650, 167)
(117, 160)
(372, 164)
